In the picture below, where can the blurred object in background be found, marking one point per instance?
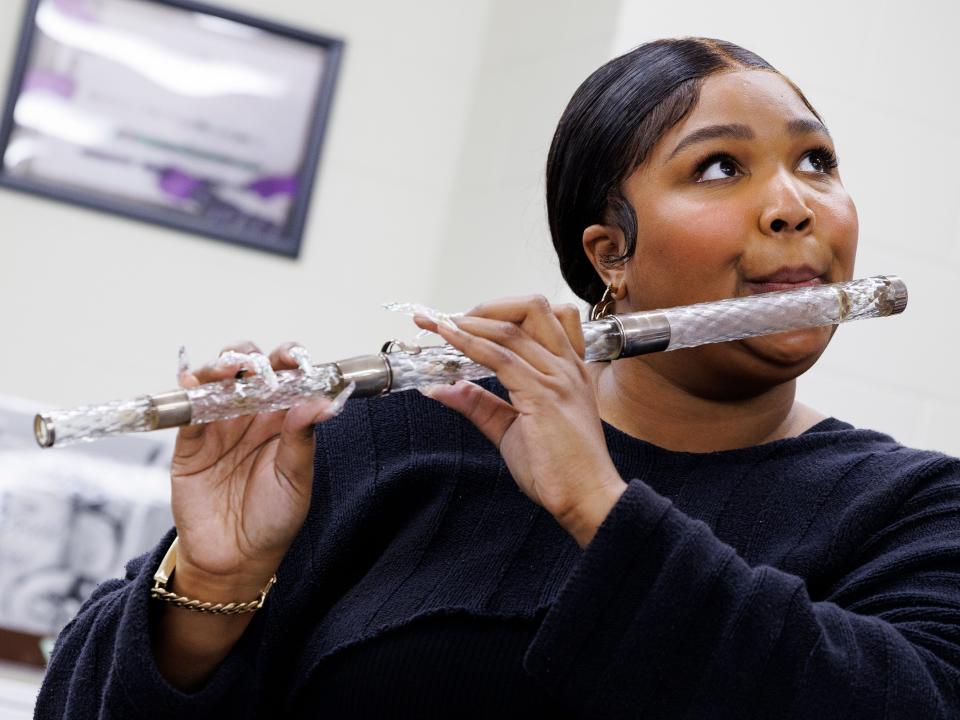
(18, 691)
(68, 521)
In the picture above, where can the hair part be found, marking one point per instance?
(607, 131)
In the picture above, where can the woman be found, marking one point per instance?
(698, 543)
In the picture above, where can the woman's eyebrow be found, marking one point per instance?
(806, 126)
(738, 131)
(711, 132)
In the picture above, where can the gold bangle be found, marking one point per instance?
(165, 572)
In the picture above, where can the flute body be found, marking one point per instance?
(610, 338)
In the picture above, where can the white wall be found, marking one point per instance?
(884, 76)
(497, 241)
(94, 306)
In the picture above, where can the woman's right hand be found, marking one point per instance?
(241, 489)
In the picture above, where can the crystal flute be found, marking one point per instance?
(610, 338)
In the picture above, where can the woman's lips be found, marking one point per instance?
(784, 279)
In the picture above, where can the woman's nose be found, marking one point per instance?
(786, 212)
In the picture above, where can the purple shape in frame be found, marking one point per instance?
(179, 184)
(77, 9)
(56, 83)
(269, 186)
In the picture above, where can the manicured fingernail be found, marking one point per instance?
(448, 323)
(302, 358)
(340, 401)
(427, 390)
(265, 369)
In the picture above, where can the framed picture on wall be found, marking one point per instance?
(173, 112)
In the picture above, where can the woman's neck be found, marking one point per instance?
(640, 402)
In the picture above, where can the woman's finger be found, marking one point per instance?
(191, 379)
(282, 359)
(512, 370)
(219, 370)
(247, 347)
(569, 317)
(535, 315)
(256, 361)
(489, 413)
(214, 373)
(186, 379)
(297, 441)
(513, 337)
(503, 333)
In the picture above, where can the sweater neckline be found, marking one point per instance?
(621, 441)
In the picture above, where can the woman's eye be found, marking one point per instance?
(718, 169)
(818, 161)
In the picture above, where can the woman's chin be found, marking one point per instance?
(795, 349)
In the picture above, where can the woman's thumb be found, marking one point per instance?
(297, 440)
(489, 413)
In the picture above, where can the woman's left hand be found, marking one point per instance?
(551, 437)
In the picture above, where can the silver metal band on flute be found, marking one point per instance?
(370, 373)
(642, 333)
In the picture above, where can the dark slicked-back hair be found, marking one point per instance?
(608, 129)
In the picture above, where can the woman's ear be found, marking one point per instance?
(601, 242)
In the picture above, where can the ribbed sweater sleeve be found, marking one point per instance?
(103, 666)
(660, 619)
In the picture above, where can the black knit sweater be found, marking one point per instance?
(812, 577)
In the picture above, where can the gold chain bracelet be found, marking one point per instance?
(165, 572)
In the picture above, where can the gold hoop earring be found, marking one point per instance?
(605, 306)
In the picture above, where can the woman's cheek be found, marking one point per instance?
(694, 230)
(837, 222)
(700, 249)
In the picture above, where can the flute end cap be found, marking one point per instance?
(899, 288)
(43, 430)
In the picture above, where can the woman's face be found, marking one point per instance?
(741, 197)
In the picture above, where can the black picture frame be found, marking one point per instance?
(283, 238)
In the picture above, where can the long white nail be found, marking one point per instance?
(340, 401)
(262, 363)
(429, 390)
(304, 362)
(412, 309)
(439, 317)
(447, 322)
(231, 357)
